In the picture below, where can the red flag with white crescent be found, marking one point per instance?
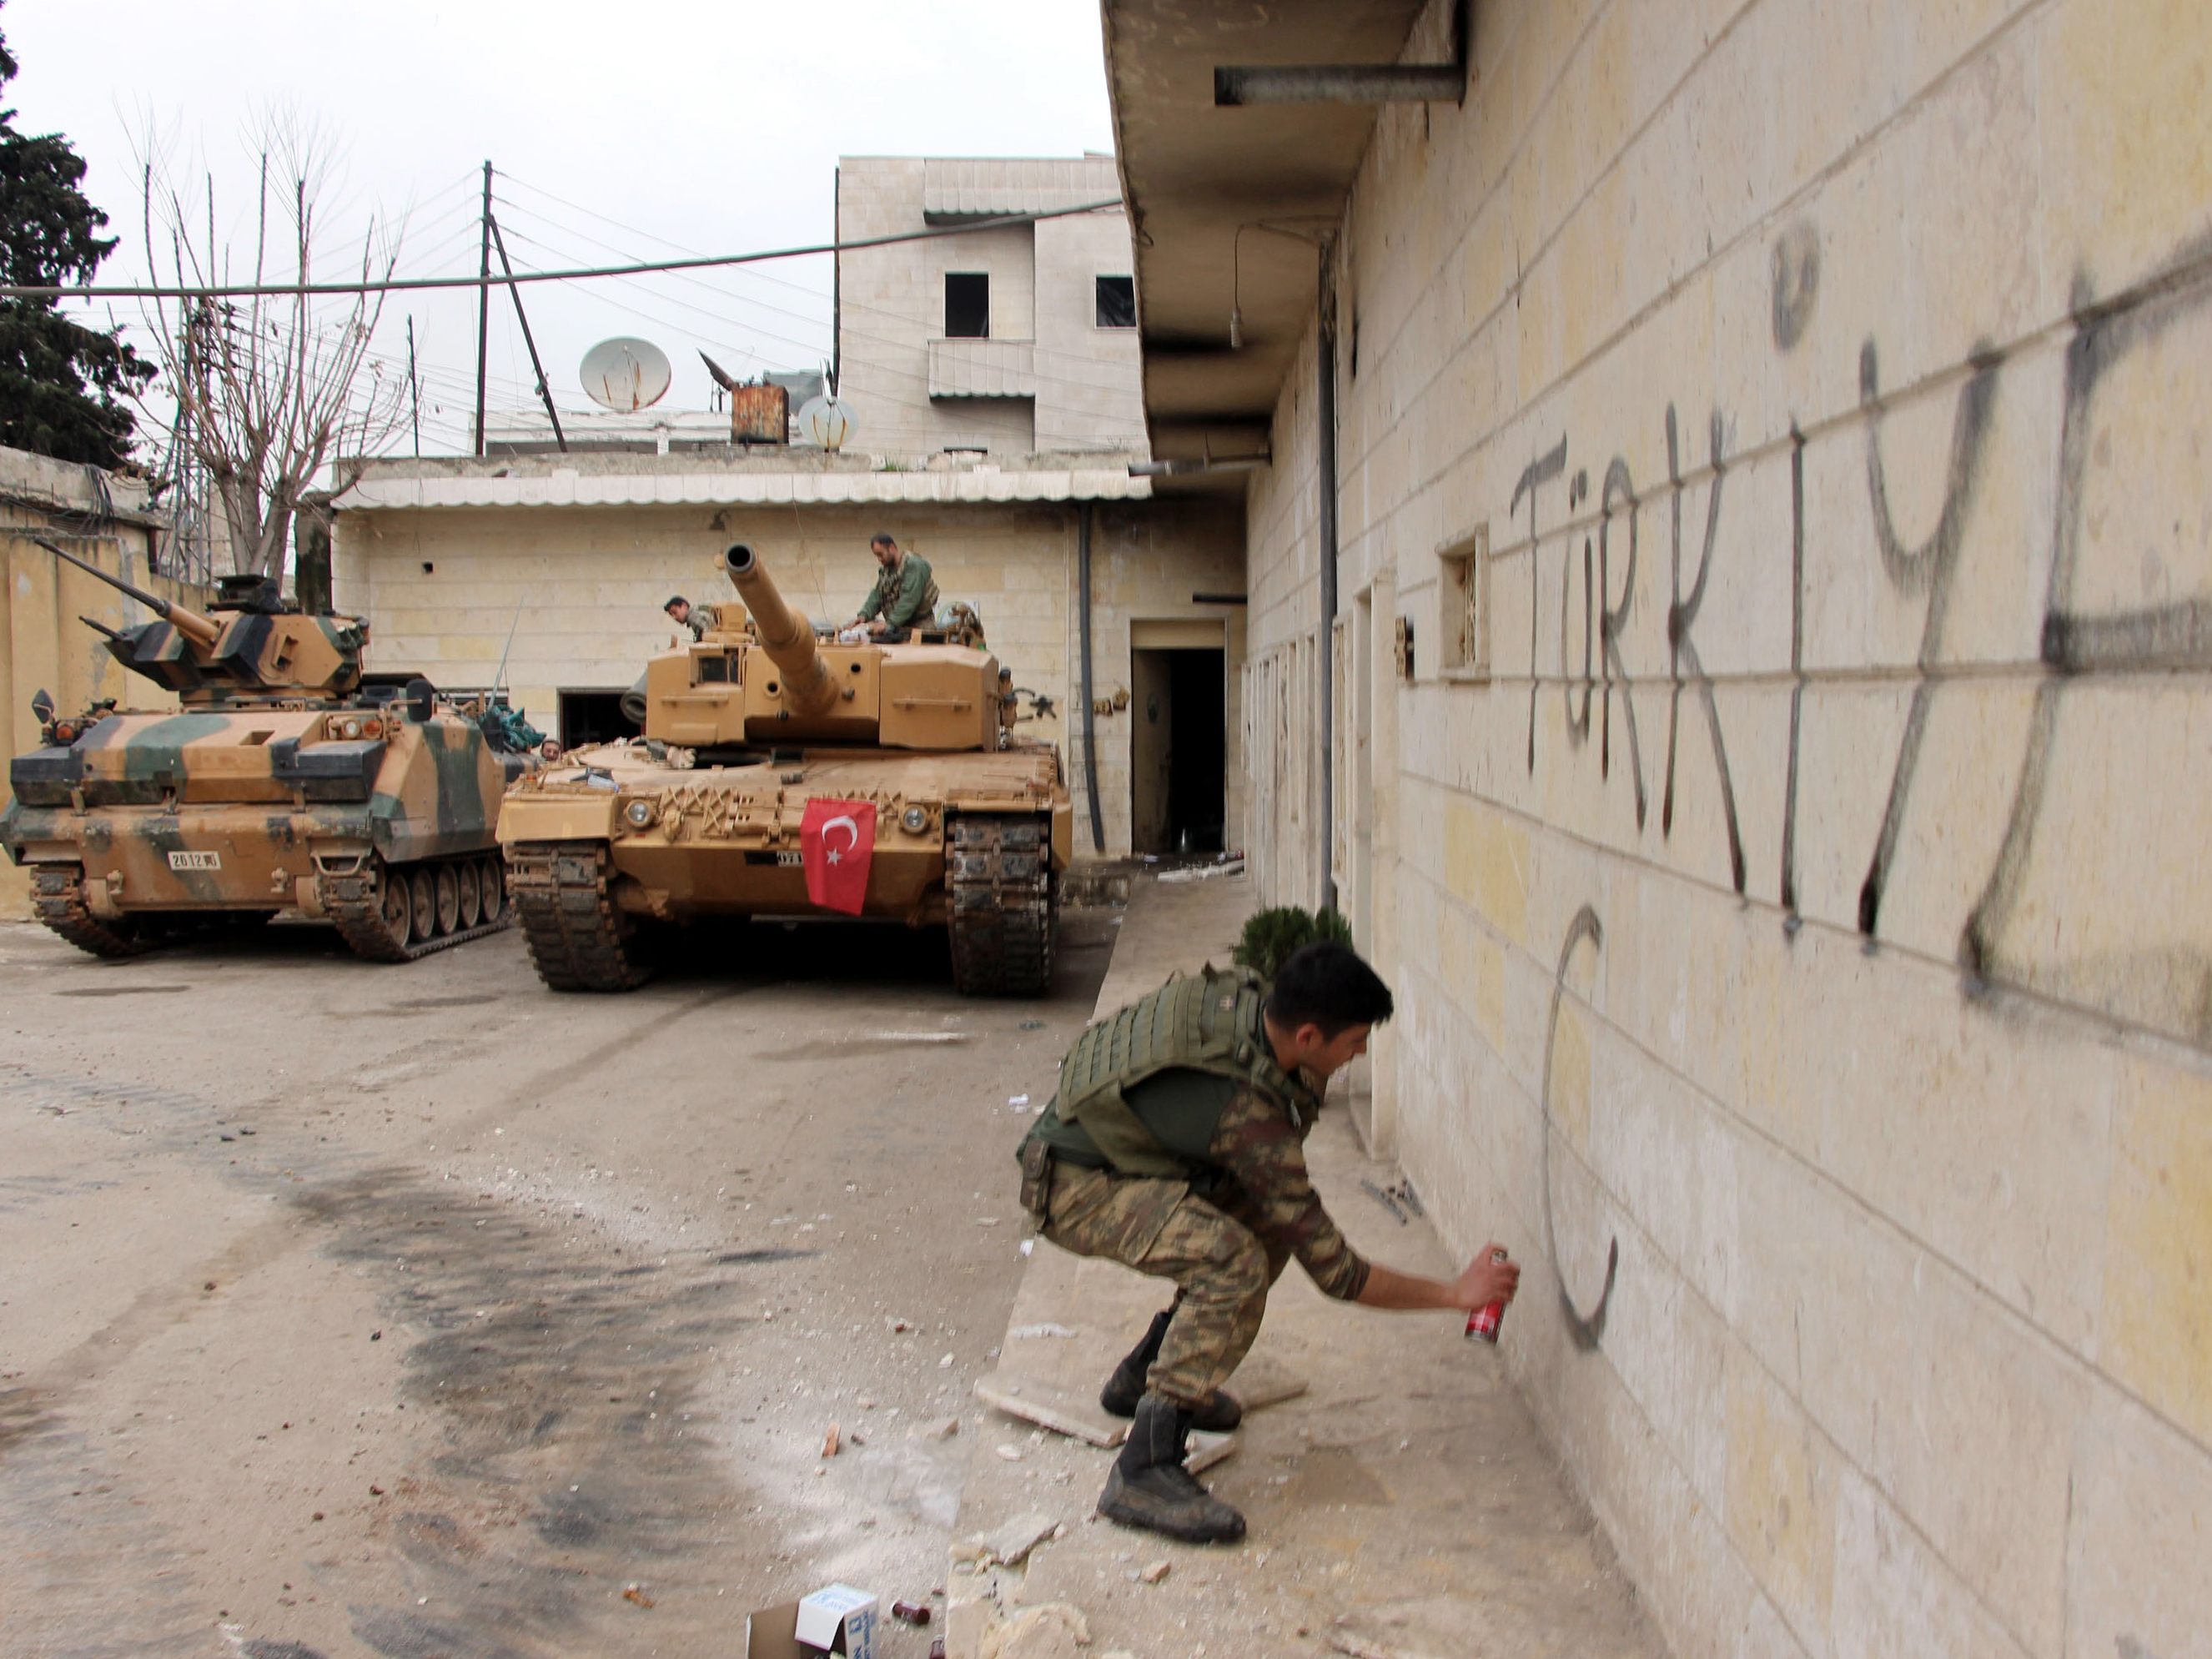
(836, 843)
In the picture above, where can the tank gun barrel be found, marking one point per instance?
(787, 639)
(187, 621)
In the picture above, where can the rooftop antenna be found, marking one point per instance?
(498, 679)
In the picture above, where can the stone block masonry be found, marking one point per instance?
(1801, 931)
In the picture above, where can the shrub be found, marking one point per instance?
(1270, 936)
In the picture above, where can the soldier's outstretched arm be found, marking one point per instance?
(1484, 1282)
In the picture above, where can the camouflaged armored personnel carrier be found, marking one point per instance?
(288, 780)
(780, 775)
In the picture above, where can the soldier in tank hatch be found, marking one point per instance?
(684, 614)
(1175, 1146)
(904, 596)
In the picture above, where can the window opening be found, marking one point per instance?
(1117, 302)
(967, 304)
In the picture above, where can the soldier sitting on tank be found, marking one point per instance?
(1175, 1146)
(682, 612)
(904, 596)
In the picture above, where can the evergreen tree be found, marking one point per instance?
(62, 385)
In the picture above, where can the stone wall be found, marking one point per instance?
(104, 519)
(1802, 936)
(581, 589)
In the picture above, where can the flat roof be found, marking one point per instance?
(680, 480)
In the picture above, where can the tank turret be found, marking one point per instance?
(258, 648)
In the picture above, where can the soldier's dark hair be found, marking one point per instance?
(883, 538)
(675, 599)
(1327, 984)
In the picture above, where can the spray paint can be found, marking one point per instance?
(1482, 1324)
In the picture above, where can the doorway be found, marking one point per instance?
(1179, 740)
(593, 716)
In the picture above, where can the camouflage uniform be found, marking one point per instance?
(1221, 1226)
(905, 595)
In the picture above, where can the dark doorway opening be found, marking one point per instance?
(1179, 757)
(593, 717)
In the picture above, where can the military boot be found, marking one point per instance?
(1149, 1487)
(1126, 1387)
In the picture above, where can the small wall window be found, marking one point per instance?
(1464, 607)
(967, 304)
(1117, 302)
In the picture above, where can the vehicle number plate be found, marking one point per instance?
(195, 862)
(787, 858)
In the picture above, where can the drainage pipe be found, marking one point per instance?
(1089, 716)
(1325, 414)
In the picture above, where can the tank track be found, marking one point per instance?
(577, 940)
(1003, 912)
(355, 904)
(58, 900)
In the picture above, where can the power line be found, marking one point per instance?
(409, 284)
(869, 361)
(848, 303)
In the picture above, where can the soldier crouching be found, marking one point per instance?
(1175, 1146)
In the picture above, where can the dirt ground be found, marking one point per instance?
(418, 1312)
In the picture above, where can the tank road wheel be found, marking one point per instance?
(467, 875)
(396, 907)
(57, 898)
(579, 941)
(1004, 912)
(422, 901)
(387, 914)
(447, 886)
(491, 878)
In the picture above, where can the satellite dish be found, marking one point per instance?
(827, 422)
(623, 374)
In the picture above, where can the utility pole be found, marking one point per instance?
(483, 306)
(544, 391)
(414, 388)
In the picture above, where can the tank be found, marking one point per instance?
(287, 779)
(927, 808)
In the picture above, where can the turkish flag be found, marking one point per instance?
(837, 841)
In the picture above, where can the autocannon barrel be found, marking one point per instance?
(184, 620)
(787, 639)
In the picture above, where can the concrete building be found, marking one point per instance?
(1003, 457)
(1730, 611)
(999, 341)
(108, 520)
(573, 556)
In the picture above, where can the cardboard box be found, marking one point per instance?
(837, 1619)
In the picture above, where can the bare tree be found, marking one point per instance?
(263, 391)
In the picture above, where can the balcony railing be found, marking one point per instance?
(982, 369)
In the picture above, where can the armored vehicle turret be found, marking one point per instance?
(784, 773)
(287, 779)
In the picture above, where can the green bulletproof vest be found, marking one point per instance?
(1207, 1022)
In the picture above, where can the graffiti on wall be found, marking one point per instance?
(2160, 637)
(1584, 1329)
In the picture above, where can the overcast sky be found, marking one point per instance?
(617, 132)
